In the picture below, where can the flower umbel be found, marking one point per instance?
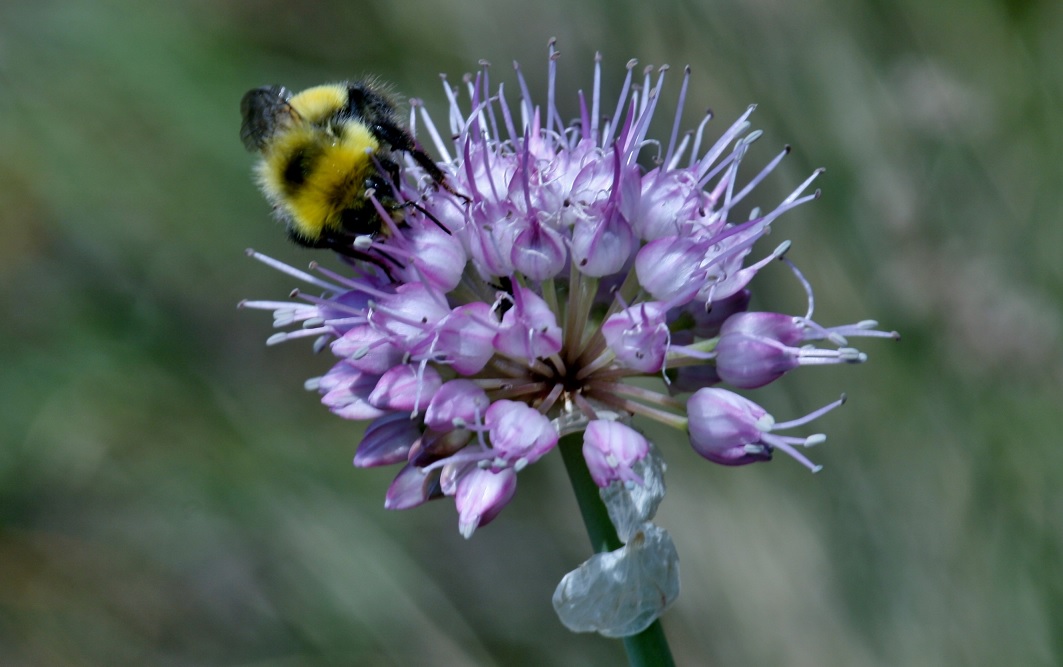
(514, 306)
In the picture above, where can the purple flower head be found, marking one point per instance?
(515, 299)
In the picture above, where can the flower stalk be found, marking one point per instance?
(648, 648)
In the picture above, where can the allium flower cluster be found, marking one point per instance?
(563, 261)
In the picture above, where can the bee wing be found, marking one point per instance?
(264, 110)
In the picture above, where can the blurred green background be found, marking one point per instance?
(169, 495)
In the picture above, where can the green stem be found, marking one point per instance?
(649, 647)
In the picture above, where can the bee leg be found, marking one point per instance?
(345, 246)
(427, 214)
(392, 170)
(400, 140)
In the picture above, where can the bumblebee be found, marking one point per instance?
(323, 150)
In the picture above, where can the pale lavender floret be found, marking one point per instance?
(529, 329)
(408, 315)
(519, 434)
(786, 329)
(436, 258)
(731, 430)
(346, 392)
(463, 340)
(670, 199)
(756, 349)
(603, 248)
(639, 336)
(407, 388)
(749, 359)
(611, 449)
(539, 251)
(387, 441)
(367, 349)
(457, 403)
(480, 495)
(342, 375)
(489, 238)
(669, 268)
(726, 428)
(410, 488)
